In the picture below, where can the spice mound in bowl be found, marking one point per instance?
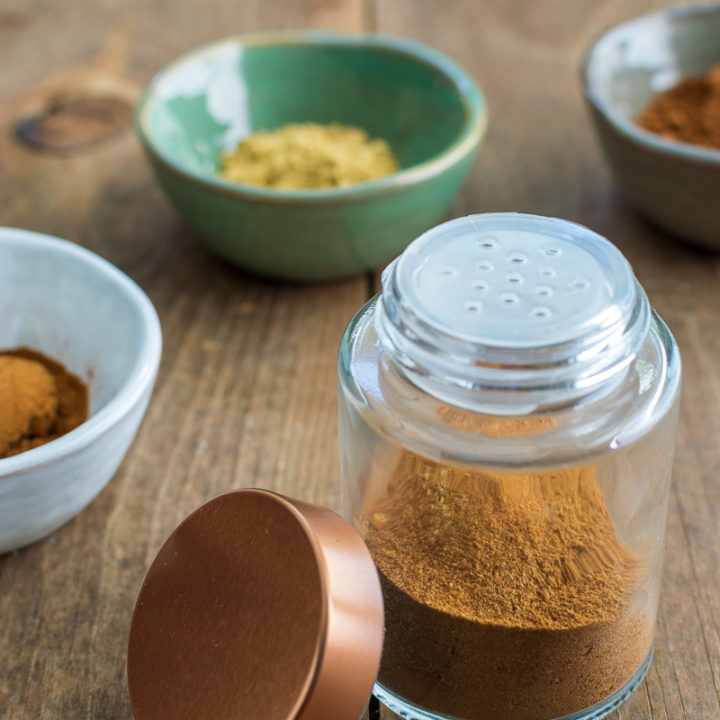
(41, 401)
(688, 112)
(79, 350)
(301, 156)
(302, 112)
(654, 99)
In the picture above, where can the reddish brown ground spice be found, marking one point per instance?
(688, 112)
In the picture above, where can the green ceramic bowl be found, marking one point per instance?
(204, 103)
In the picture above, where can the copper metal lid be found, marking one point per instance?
(257, 608)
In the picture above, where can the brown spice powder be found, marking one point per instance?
(507, 597)
(494, 426)
(688, 112)
(39, 401)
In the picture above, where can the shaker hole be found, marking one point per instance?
(488, 243)
(479, 284)
(509, 298)
(448, 271)
(517, 259)
(580, 284)
(485, 266)
(473, 306)
(547, 272)
(540, 312)
(543, 291)
(552, 251)
(514, 278)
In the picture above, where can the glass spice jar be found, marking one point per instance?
(508, 407)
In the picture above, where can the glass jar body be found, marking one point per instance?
(520, 550)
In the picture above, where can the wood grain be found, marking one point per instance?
(540, 157)
(246, 390)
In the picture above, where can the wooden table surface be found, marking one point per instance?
(246, 390)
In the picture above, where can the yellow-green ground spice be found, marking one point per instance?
(308, 156)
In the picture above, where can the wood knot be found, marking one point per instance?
(72, 122)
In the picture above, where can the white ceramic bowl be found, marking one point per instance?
(676, 185)
(70, 304)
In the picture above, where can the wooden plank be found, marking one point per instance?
(246, 390)
(540, 156)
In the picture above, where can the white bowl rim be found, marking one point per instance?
(141, 375)
(466, 141)
(686, 151)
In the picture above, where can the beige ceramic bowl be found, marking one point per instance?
(675, 185)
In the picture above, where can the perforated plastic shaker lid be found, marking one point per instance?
(516, 281)
(502, 301)
(257, 607)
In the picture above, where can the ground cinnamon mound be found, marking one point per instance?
(507, 597)
(39, 400)
(494, 426)
(688, 112)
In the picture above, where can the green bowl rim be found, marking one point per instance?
(656, 143)
(469, 137)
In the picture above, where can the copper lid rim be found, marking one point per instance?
(313, 674)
